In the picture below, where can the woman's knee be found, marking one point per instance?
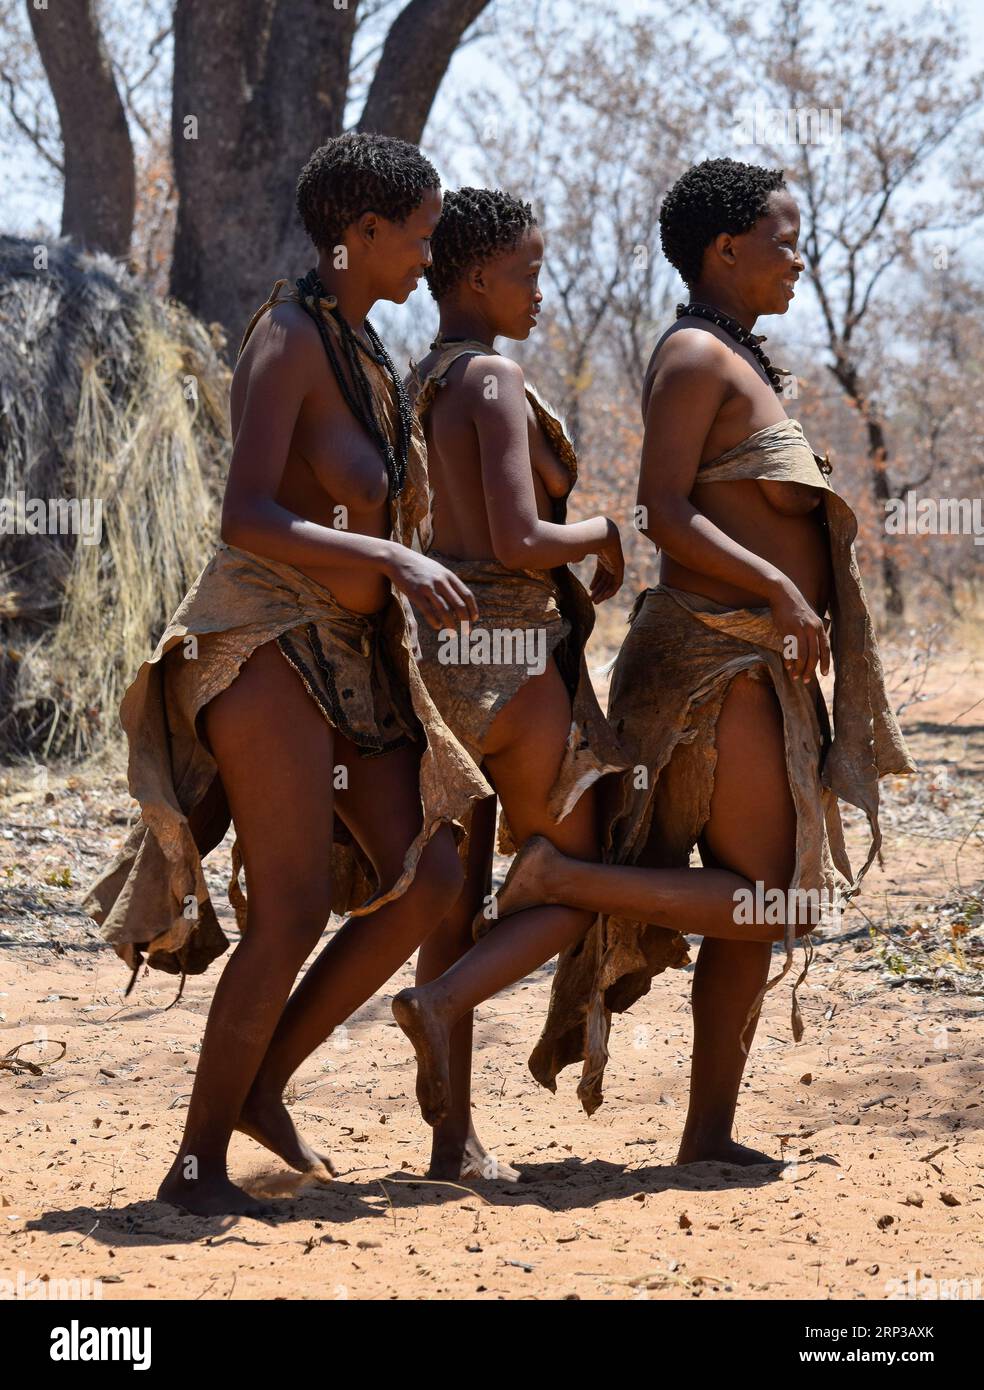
(782, 904)
(291, 918)
(578, 834)
(440, 875)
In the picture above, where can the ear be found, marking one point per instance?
(475, 280)
(367, 226)
(724, 246)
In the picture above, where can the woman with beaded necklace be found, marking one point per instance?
(514, 687)
(714, 693)
(284, 691)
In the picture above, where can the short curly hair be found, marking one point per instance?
(719, 195)
(360, 171)
(476, 225)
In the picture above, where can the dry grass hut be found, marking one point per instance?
(113, 404)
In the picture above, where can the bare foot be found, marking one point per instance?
(526, 884)
(213, 1195)
(723, 1151)
(446, 1164)
(268, 1121)
(455, 1161)
(477, 1162)
(430, 1043)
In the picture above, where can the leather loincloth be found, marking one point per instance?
(668, 685)
(526, 618)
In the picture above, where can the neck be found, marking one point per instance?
(725, 299)
(355, 299)
(460, 322)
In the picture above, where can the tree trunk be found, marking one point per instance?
(877, 458)
(416, 55)
(99, 194)
(255, 91)
(257, 88)
(846, 374)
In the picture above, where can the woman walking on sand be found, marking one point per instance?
(501, 470)
(284, 692)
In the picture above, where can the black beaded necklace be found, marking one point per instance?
(360, 400)
(441, 340)
(741, 335)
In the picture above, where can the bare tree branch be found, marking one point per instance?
(422, 40)
(32, 132)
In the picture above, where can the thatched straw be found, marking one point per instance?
(105, 393)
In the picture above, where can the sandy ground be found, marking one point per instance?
(877, 1112)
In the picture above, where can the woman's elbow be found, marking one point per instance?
(657, 524)
(234, 525)
(513, 551)
(654, 532)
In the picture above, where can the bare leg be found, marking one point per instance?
(208, 823)
(698, 902)
(522, 758)
(692, 901)
(753, 826)
(277, 777)
(366, 951)
(752, 830)
(456, 1150)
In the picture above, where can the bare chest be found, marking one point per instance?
(547, 467)
(341, 455)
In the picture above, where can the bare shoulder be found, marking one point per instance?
(686, 354)
(689, 346)
(487, 378)
(286, 334)
(479, 365)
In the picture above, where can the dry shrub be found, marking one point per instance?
(109, 394)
